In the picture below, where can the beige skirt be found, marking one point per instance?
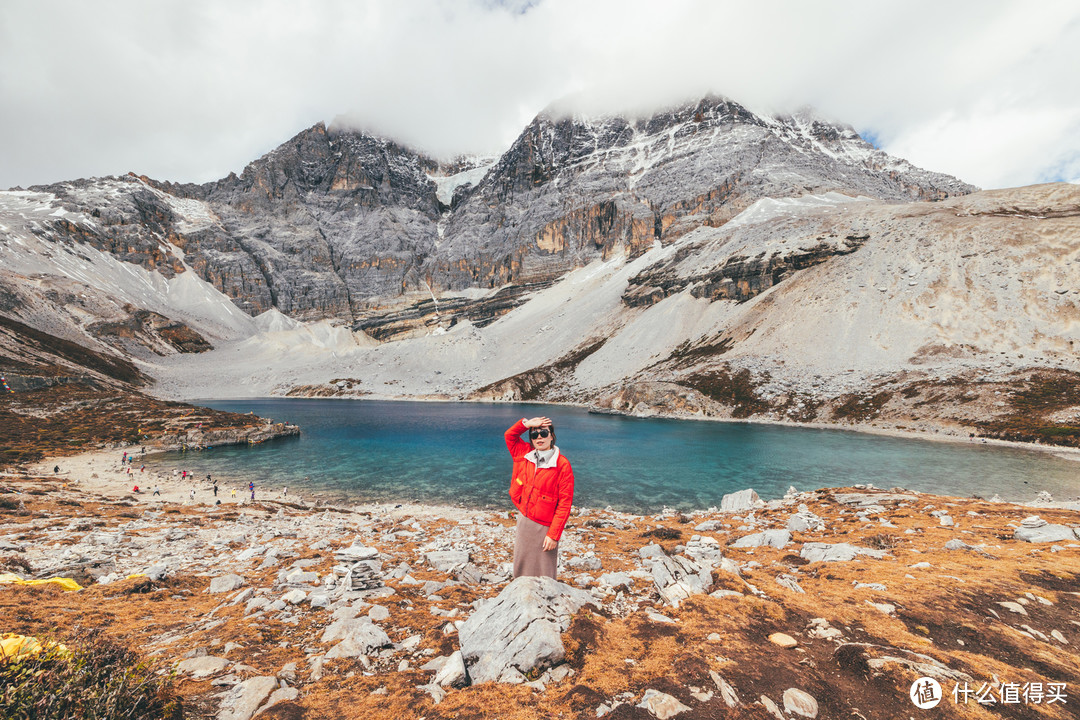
(529, 556)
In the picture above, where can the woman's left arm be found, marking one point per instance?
(566, 500)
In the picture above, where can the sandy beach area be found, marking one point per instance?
(102, 472)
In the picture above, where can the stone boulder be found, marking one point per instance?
(519, 630)
(741, 501)
(226, 583)
(1036, 530)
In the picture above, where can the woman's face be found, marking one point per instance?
(543, 439)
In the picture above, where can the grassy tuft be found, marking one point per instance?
(92, 677)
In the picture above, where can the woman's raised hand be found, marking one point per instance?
(536, 422)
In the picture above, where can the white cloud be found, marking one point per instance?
(191, 90)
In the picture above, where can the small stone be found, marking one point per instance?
(783, 640)
(378, 613)
(201, 667)
(772, 707)
(800, 702)
(1013, 607)
(437, 693)
(294, 597)
(727, 693)
(661, 705)
(452, 673)
(1056, 634)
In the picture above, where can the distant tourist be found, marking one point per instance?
(135, 489)
(542, 489)
(251, 487)
(285, 492)
(56, 469)
(215, 488)
(157, 490)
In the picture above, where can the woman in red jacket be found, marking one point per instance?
(542, 489)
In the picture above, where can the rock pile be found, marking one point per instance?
(358, 567)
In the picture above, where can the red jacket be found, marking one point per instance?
(543, 494)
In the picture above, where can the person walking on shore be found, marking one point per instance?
(542, 489)
(251, 487)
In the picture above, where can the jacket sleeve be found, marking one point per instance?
(517, 448)
(566, 500)
(514, 443)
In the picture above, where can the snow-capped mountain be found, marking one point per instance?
(335, 223)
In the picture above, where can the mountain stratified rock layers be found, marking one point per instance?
(336, 223)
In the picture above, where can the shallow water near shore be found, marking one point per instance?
(454, 454)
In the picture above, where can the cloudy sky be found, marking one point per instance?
(188, 91)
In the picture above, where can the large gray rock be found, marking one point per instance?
(741, 501)
(241, 702)
(1036, 530)
(519, 630)
(358, 636)
(836, 552)
(226, 583)
(767, 538)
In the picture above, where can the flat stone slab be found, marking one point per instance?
(447, 560)
(868, 499)
(836, 552)
(1045, 534)
(201, 667)
(767, 538)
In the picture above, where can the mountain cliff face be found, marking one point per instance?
(338, 224)
(574, 189)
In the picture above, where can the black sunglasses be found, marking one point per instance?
(533, 434)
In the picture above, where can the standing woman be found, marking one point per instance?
(542, 489)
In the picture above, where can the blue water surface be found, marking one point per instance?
(454, 453)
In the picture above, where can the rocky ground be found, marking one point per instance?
(824, 604)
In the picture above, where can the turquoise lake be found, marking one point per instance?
(454, 453)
